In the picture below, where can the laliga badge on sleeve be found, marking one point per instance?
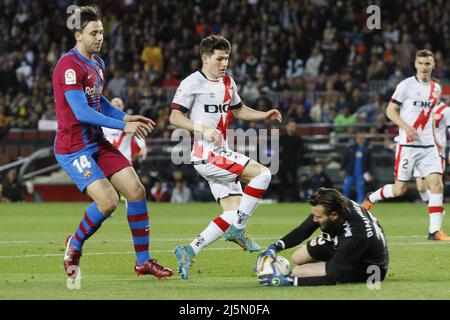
(70, 76)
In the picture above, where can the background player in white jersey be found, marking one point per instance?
(442, 125)
(211, 97)
(129, 145)
(411, 109)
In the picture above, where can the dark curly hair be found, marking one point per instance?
(332, 200)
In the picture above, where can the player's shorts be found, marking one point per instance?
(93, 163)
(222, 171)
(321, 248)
(418, 174)
(424, 159)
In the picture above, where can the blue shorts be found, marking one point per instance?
(93, 163)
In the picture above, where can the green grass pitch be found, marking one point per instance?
(31, 253)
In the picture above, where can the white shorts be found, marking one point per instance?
(411, 162)
(222, 171)
(418, 174)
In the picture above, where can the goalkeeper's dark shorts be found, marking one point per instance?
(321, 248)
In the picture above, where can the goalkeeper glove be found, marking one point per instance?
(270, 253)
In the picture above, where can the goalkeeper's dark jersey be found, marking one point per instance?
(359, 240)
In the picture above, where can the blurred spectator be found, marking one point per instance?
(302, 99)
(249, 66)
(357, 164)
(320, 178)
(320, 112)
(202, 192)
(299, 114)
(313, 63)
(380, 125)
(152, 56)
(117, 84)
(405, 51)
(333, 115)
(181, 193)
(250, 92)
(159, 192)
(371, 110)
(10, 189)
(344, 120)
(305, 189)
(291, 159)
(50, 113)
(286, 101)
(294, 66)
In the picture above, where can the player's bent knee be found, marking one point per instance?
(302, 256)
(436, 186)
(108, 203)
(296, 258)
(136, 192)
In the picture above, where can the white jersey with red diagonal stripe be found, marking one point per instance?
(122, 141)
(417, 100)
(442, 123)
(210, 103)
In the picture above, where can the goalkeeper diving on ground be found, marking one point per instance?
(351, 249)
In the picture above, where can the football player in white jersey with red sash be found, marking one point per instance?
(442, 125)
(129, 145)
(412, 109)
(205, 103)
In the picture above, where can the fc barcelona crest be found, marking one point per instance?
(87, 173)
(101, 74)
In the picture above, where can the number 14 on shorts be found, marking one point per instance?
(82, 163)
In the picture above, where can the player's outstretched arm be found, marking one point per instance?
(392, 112)
(249, 114)
(138, 129)
(179, 119)
(85, 114)
(109, 110)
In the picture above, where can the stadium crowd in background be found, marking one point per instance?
(315, 59)
(292, 48)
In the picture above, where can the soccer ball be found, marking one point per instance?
(281, 267)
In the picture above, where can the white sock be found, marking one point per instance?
(385, 192)
(435, 210)
(253, 194)
(213, 231)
